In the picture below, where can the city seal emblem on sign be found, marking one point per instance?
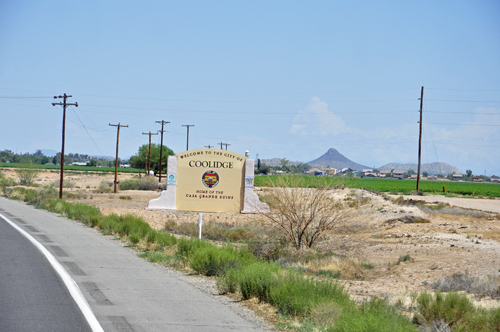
(210, 179)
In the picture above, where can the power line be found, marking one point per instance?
(466, 101)
(464, 124)
(88, 133)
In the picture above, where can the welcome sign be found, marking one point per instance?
(210, 180)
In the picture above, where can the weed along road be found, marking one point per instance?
(124, 292)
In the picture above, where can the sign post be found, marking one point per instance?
(200, 224)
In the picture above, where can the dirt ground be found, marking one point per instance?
(457, 241)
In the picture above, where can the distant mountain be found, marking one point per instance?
(432, 168)
(335, 159)
(274, 162)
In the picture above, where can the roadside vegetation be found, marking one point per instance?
(263, 263)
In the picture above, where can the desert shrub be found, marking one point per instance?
(109, 224)
(257, 280)
(6, 182)
(148, 183)
(304, 215)
(373, 315)
(154, 257)
(67, 183)
(126, 198)
(27, 175)
(409, 220)
(328, 273)
(105, 186)
(297, 295)
(165, 240)
(162, 186)
(130, 224)
(27, 195)
(405, 258)
(270, 249)
(187, 246)
(129, 184)
(451, 308)
(215, 261)
(212, 231)
(84, 213)
(486, 286)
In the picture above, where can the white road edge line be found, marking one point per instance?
(68, 281)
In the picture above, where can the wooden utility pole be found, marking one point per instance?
(187, 144)
(149, 152)
(209, 146)
(161, 146)
(221, 144)
(64, 104)
(117, 143)
(420, 138)
(226, 145)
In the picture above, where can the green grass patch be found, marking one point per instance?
(390, 185)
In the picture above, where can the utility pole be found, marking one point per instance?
(221, 144)
(187, 144)
(149, 152)
(226, 145)
(420, 138)
(209, 146)
(117, 142)
(64, 104)
(161, 147)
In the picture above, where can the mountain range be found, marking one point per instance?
(335, 159)
(431, 168)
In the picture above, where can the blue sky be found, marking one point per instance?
(286, 79)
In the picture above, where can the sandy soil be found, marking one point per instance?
(448, 244)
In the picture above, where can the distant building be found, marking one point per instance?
(384, 173)
(432, 178)
(495, 180)
(331, 171)
(344, 171)
(457, 177)
(314, 170)
(366, 171)
(477, 178)
(398, 174)
(370, 175)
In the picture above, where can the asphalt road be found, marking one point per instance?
(32, 295)
(125, 292)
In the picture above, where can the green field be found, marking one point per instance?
(74, 168)
(392, 185)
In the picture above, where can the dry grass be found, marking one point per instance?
(349, 268)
